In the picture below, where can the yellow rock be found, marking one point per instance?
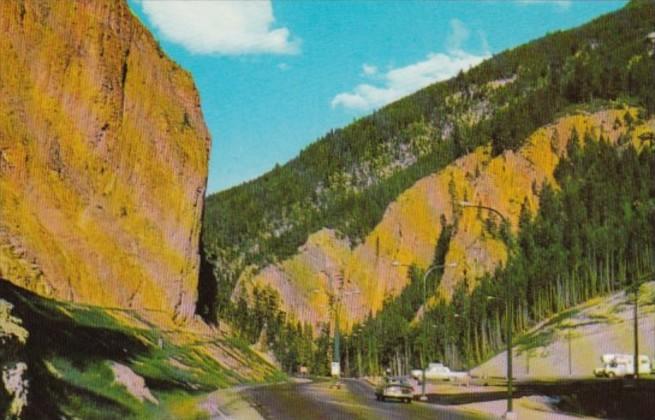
(103, 159)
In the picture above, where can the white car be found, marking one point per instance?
(620, 365)
(438, 372)
(395, 388)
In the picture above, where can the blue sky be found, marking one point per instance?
(274, 77)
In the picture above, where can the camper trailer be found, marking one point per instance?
(620, 365)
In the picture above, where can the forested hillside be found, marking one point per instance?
(593, 234)
(345, 180)
(589, 235)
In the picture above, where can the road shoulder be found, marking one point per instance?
(229, 404)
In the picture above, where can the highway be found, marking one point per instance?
(355, 400)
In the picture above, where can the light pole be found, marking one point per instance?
(570, 354)
(335, 297)
(425, 303)
(635, 321)
(508, 303)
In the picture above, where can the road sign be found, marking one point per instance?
(336, 369)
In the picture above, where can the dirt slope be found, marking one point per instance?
(599, 326)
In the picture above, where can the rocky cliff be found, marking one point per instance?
(411, 225)
(103, 159)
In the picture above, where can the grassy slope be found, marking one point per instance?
(70, 347)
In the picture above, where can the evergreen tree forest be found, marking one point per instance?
(259, 319)
(593, 235)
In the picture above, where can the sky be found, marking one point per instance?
(274, 76)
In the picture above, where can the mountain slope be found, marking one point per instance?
(412, 224)
(103, 159)
(341, 189)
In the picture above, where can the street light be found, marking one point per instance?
(335, 297)
(635, 320)
(634, 288)
(425, 304)
(508, 304)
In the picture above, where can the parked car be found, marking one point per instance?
(395, 388)
(439, 372)
(620, 365)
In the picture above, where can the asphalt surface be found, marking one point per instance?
(355, 400)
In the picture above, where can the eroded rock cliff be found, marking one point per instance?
(103, 158)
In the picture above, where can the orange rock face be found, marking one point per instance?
(103, 158)
(410, 227)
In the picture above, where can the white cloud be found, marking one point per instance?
(369, 70)
(283, 67)
(228, 27)
(402, 81)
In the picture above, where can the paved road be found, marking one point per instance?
(355, 400)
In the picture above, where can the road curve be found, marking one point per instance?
(355, 400)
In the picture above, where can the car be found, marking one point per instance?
(620, 365)
(439, 372)
(434, 371)
(395, 388)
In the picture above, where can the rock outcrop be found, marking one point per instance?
(14, 387)
(103, 158)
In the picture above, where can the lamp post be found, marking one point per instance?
(425, 302)
(635, 321)
(508, 331)
(335, 298)
(508, 304)
(570, 361)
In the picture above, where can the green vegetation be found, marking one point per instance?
(70, 349)
(292, 342)
(591, 236)
(347, 178)
(594, 235)
(96, 379)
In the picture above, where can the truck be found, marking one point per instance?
(616, 365)
(439, 372)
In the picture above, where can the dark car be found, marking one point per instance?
(395, 388)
